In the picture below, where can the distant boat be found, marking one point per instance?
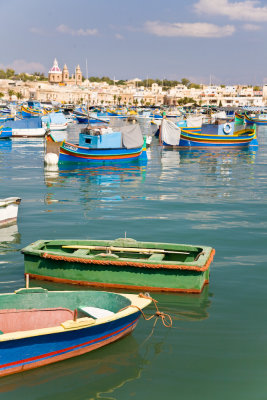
(260, 120)
(55, 121)
(9, 210)
(102, 145)
(222, 135)
(120, 264)
(40, 327)
(28, 112)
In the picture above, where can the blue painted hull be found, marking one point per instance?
(256, 121)
(6, 133)
(194, 139)
(86, 120)
(21, 354)
(73, 153)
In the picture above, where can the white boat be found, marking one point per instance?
(36, 132)
(55, 121)
(9, 210)
(56, 127)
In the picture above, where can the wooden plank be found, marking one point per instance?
(125, 249)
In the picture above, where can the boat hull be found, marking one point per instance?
(192, 139)
(5, 133)
(38, 132)
(73, 153)
(32, 352)
(64, 324)
(9, 211)
(256, 121)
(131, 274)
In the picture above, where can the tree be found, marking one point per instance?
(19, 95)
(185, 82)
(10, 93)
(194, 86)
(114, 98)
(119, 99)
(10, 72)
(2, 74)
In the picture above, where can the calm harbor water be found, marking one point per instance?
(217, 346)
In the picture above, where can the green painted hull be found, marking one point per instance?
(169, 271)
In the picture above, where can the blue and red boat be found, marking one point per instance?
(102, 145)
(39, 327)
(260, 120)
(211, 135)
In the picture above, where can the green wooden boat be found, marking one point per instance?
(120, 264)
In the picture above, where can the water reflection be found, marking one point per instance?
(9, 235)
(215, 170)
(5, 146)
(94, 375)
(189, 307)
(102, 183)
(209, 157)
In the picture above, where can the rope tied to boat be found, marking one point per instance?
(188, 267)
(165, 318)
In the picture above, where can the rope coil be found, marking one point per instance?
(165, 318)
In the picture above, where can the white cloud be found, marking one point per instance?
(38, 31)
(118, 36)
(251, 27)
(24, 66)
(198, 29)
(248, 10)
(76, 32)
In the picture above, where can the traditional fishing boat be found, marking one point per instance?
(101, 144)
(9, 210)
(38, 327)
(221, 135)
(121, 264)
(261, 119)
(33, 109)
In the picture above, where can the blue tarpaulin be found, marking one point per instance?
(27, 123)
(54, 118)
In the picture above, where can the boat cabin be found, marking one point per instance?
(100, 138)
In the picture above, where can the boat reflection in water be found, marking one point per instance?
(104, 183)
(215, 168)
(9, 235)
(85, 377)
(185, 307)
(5, 146)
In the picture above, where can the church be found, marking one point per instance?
(55, 75)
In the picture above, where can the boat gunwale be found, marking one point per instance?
(200, 265)
(95, 149)
(137, 304)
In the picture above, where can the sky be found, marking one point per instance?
(217, 41)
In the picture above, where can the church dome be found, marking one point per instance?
(55, 69)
